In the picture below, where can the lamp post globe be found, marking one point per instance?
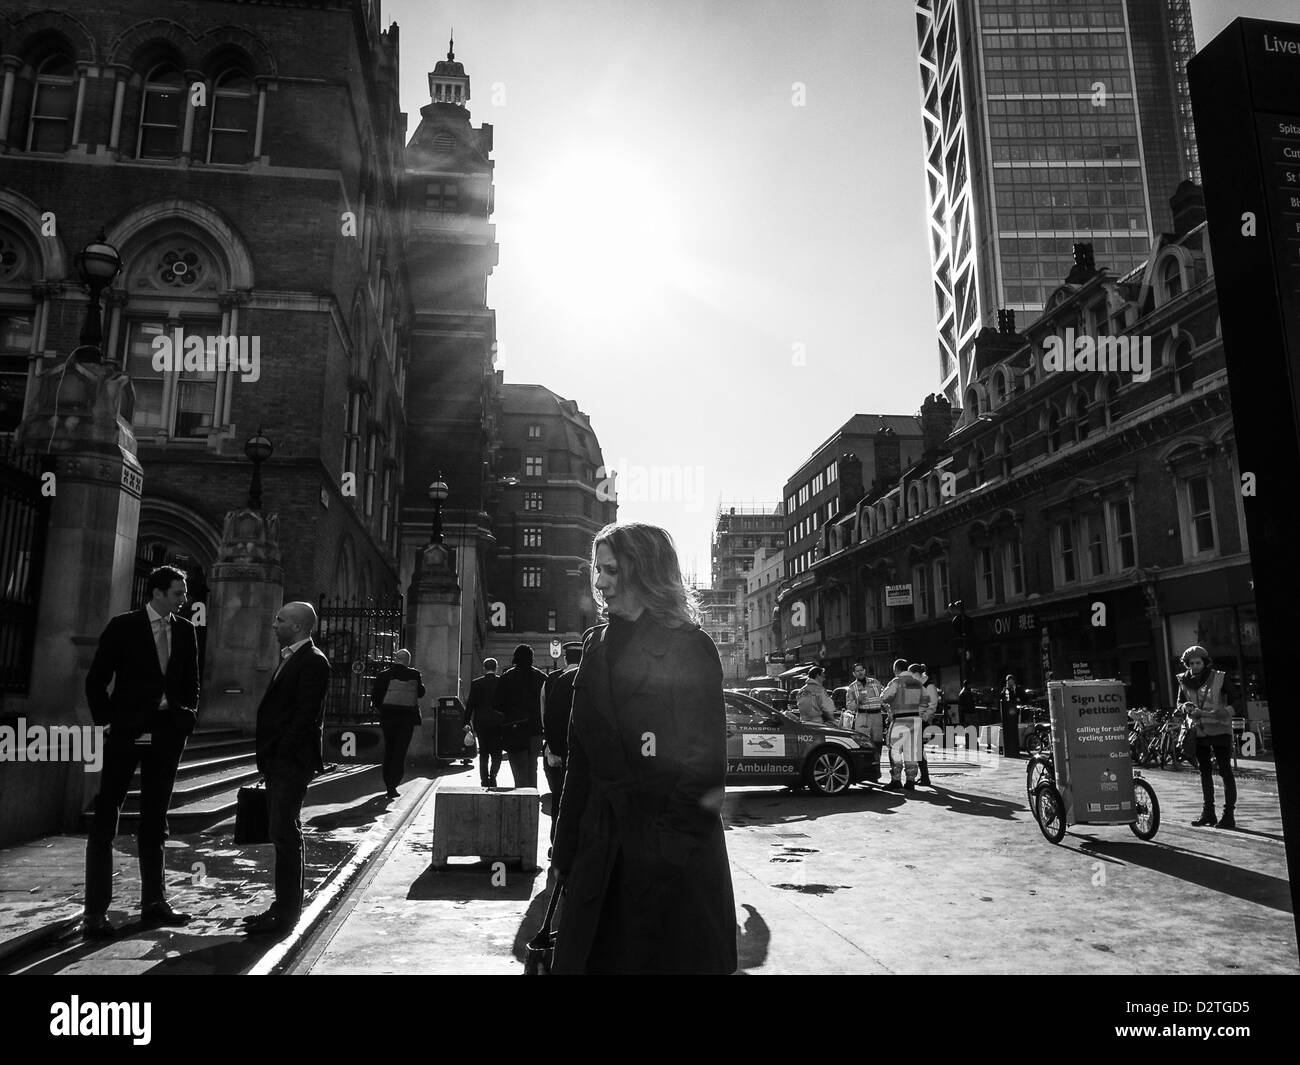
(97, 264)
(438, 492)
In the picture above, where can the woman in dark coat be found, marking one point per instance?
(639, 846)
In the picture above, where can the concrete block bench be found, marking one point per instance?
(487, 824)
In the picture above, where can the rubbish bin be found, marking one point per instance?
(1010, 730)
(449, 737)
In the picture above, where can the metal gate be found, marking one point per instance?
(24, 516)
(360, 638)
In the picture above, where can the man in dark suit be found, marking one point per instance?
(290, 727)
(485, 723)
(557, 706)
(152, 657)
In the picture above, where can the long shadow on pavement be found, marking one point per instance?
(968, 803)
(1245, 884)
(464, 882)
(750, 808)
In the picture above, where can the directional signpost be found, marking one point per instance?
(1245, 87)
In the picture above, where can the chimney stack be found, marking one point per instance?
(850, 478)
(936, 424)
(889, 459)
(1188, 206)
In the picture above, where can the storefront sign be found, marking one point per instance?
(1020, 624)
(1045, 648)
(898, 595)
(1090, 736)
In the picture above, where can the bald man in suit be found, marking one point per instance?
(290, 728)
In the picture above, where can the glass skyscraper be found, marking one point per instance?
(1046, 122)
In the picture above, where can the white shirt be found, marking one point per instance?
(154, 619)
(287, 653)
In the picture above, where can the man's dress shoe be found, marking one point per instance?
(161, 914)
(97, 926)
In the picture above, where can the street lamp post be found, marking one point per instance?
(258, 449)
(958, 609)
(438, 492)
(97, 263)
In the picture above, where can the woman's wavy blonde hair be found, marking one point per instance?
(648, 565)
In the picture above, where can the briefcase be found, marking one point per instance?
(252, 824)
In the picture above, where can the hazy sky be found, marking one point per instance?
(718, 276)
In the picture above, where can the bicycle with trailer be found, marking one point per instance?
(1087, 777)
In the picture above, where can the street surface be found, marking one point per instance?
(955, 879)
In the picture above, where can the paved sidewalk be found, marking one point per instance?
(42, 887)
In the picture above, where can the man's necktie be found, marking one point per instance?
(160, 640)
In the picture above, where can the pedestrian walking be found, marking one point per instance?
(929, 707)
(1207, 705)
(151, 656)
(815, 703)
(397, 692)
(640, 847)
(1008, 702)
(290, 732)
(903, 697)
(484, 721)
(557, 706)
(518, 698)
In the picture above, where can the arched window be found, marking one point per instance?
(1184, 370)
(1081, 424)
(1171, 277)
(977, 464)
(50, 129)
(160, 113)
(973, 407)
(1109, 390)
(230, 139)
(1000, 390)
(175, 312)
(913, 500)
(1004, 450)
(1053, 430)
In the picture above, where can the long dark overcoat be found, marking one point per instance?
(640, 837)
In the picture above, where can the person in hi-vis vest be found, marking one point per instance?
(903, 697)
(1207, 707)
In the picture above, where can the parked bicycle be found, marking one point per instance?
(1039, 738)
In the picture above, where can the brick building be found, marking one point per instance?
(869, 450)
(1089, 521)
(551, 507)
(249, 176)
(739, 534)
(761, 585)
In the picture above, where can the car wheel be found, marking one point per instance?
(829, 772)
